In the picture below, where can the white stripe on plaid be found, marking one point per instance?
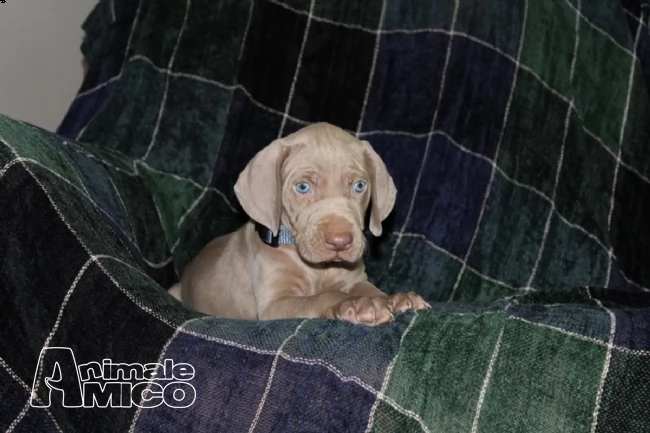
(196, 202)
(404, 31)
(98, 87)
(136, 173)
(496, 153)
(269, 382)
(567, 122)
(194, 77)
(428, 143)
(515, 182)
(170, 65)
(523, 185)
(185, 179)
(82, 131)
(157, 207)
(387, 132)
(134, 25)
(204, 192)
(8, 166)
(126, 210)
(306, 361)
(128, 294)
(59, 316)
(549, 217)
(321, 19)
(191, 76)
(39, 372)
(124, 61)
(426, 30)
(621, 137)
(576, 45)
(407, 234)
(457, 259)
(187, 213)
(129, 265)
(611, 152)
(362, 134)
(635, 352)
(472, 314)
(246, 29)
(43, 189)
(486, 381)
(85, 195)
(292, 89)
(478, 155)
(362, 384)
(160, 361)
(15, 377)
(621, 349)
(373, 66)
(77, 148)
(404, 133)
(359, 381)
(606, 364)
(389, 371)
(601, 31)
(636, 18)
(211, 82)
(112, 6)
(560, 330)
(77, 176)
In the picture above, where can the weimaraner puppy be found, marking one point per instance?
(301, 255)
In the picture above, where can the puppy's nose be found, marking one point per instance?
(338, 241)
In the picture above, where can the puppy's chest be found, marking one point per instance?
(332, 278)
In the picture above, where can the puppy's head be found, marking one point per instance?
(318, 182)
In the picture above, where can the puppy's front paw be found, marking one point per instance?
(407, 301)
(365, 310)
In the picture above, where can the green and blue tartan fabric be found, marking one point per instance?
(517, 134)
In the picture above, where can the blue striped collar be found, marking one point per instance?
(284, 236)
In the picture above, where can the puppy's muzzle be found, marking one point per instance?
(324, 235)
(337, 235)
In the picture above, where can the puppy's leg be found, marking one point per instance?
(408, 301)
(363, 303)
(396, 302)
(331, 304)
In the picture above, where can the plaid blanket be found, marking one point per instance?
(517, 135)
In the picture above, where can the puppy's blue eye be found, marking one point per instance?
(303, 188)
(359, 186)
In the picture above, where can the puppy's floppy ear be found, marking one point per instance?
(259, 186)
(383, 189)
